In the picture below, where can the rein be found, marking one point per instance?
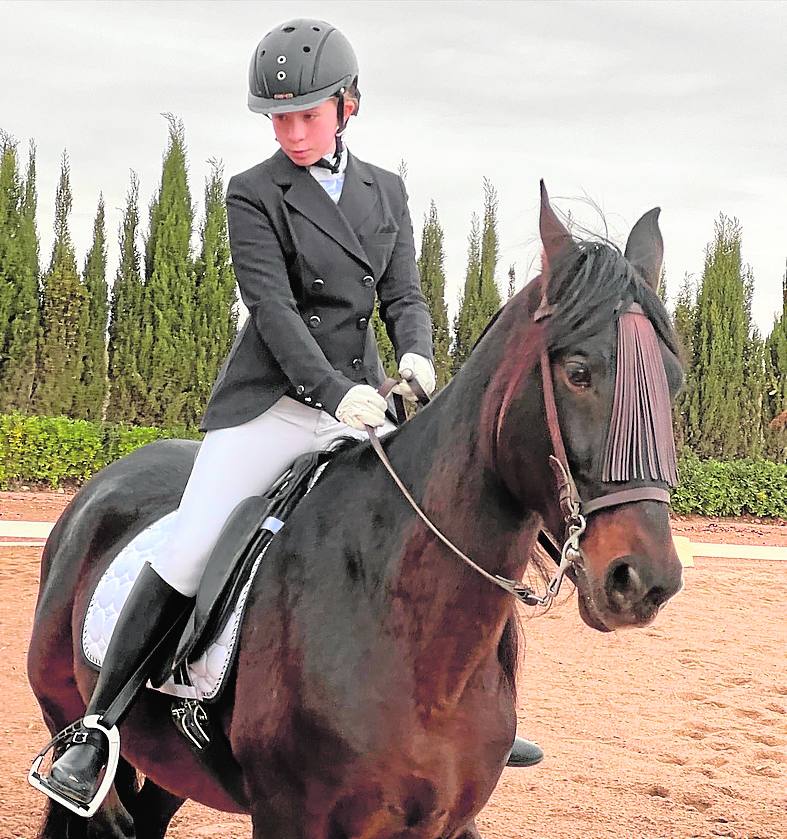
(575, 511)
(518, 590)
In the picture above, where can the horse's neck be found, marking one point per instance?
(452, 616)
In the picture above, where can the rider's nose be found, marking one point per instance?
(296, 131)
(635, 585)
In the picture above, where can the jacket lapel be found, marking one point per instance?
(358, 201)
(304, 194)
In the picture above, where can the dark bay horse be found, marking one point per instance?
(374, 694)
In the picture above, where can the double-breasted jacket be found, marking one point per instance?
(309, 270)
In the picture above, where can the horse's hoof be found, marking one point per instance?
(524, 753)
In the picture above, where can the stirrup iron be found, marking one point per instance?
(40, 783)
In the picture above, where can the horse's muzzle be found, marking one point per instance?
(635, 588)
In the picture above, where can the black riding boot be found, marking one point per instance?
(151, 608)
(524, 753)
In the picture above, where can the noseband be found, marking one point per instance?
(575, 511)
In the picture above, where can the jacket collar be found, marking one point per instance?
(356, 204)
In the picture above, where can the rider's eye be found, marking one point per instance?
(578, 374)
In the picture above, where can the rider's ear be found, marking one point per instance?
(645, 248)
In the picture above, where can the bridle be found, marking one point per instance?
(575, 511)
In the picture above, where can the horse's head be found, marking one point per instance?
(609, 373)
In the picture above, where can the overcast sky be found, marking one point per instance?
(632, 105)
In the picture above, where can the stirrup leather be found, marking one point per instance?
(36, 780)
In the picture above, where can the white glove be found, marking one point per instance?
(362, 405)
(422, 369)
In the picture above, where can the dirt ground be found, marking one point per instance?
(672, 732)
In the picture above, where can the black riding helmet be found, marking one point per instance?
(299, 64)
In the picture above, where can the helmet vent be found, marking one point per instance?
(281, 75)
(288, 29)
(307, 49)
(282, 59)
(316, 28)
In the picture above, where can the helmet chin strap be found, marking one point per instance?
(342, 124)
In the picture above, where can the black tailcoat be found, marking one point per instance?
(308, 271)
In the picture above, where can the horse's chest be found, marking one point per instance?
(398, 802)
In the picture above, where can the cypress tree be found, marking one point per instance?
(662, 289)
(775, 403)
(18, 278)
(511, 280)
(489, 293)
(24, 345)
(684, 317)
(720, 339)
(432, 272)
(11, 258)
(93, 392)
(63, 317)
(384, 346)
(215, 307)
(167, 355)
(126, 386)
(754, 378)
(481, 298)
(469, 302)
(753, 397)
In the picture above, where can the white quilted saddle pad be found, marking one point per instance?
(207, 674)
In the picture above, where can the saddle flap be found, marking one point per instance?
(224, 565)
(250, 527)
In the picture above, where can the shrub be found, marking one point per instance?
(731, 488)
(57, 450)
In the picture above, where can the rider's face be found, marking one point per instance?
(306, 136)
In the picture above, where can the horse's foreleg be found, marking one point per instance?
(58, 822)
(153, 809)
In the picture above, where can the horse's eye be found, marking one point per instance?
(578, 374)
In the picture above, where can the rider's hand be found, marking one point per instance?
(423, 370)
(362, 405)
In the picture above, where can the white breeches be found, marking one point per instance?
(232, 464)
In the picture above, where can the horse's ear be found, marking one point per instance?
(645, 248)
(554, 236)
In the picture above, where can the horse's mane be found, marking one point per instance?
(590, 286)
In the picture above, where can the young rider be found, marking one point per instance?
(316, 235)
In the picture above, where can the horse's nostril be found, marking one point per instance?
(620, 578)
(624, 583)
(635, 586)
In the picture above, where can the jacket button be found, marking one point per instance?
(318, 285)
(368, 281)
(314, 321)
(300, 390)
(357, 363)
(362, 323)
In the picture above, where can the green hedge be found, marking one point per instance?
(56, 450)
(731, 488)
